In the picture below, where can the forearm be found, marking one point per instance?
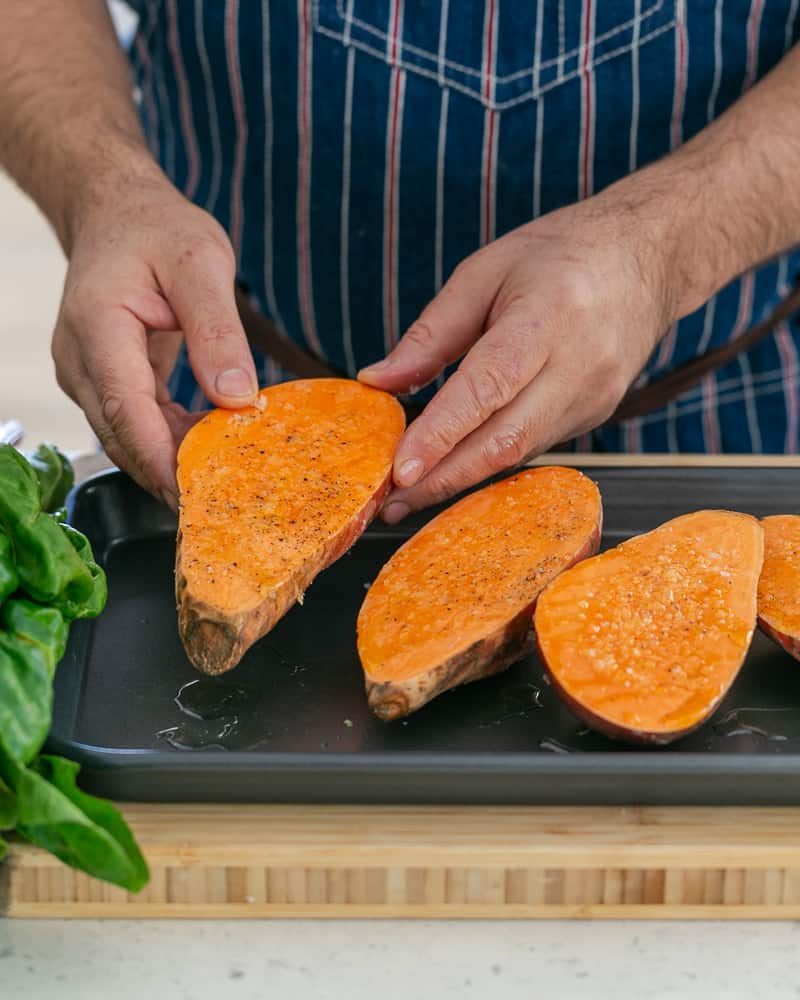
(729, 199)
(69, 132)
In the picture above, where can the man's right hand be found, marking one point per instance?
(148, 269)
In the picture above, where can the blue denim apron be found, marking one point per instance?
(357, 150)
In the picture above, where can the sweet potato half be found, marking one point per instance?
(643, 641)
(270, 496)
(779, 586)
(453, 604)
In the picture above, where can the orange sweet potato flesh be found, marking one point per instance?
(453, 604)
(643, 641)
(779, 586)
(270, 496)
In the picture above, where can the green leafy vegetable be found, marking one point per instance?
(9, 578)
(94, 604)
(55, 474)
(8, 807)
(32, 641)
(40, 626)
(8, 814)
(83, 831)
(26, 698)
(49, 568)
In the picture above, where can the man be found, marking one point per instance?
(559, 196)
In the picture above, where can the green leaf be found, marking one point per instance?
(83, 831)
(94, 604)
(3, 848)
(30, 647)
(55, 474)
(8, 807)
(26, 698)
(49, 568)
(43, 627)
(9, 578)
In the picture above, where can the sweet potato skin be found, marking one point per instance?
(604, 726)
(789, 643)
(390, 700)
(271, 496)
(215, 642)
(489, 654)
(605, 722)
(779, 586)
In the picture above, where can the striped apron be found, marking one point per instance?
(357, 150)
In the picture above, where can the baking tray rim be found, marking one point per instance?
(536, 762)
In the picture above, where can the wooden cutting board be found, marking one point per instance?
(458, 862)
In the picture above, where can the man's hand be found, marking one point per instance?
(556, 319)
(553, 322)
(148, 268)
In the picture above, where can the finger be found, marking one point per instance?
(445, 329)
(151, 308)
(179, 420)
(143, 470)
(122, 406)
(505, 360)
(199, 286)
(86, 397)
(163, 347)
(536, 419)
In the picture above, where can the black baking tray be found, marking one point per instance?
(291, 724)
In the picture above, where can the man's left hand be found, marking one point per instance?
(552, 323)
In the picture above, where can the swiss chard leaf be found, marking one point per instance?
(55, 474)
(26, 698)
(9, 578)
(8, 807)
(49, 568)
(52, 563)
(8, 814)
(83, 831)
(94, 604)
(40, 626)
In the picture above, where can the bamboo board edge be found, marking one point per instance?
(314, 911)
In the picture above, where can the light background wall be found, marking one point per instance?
(32, 271)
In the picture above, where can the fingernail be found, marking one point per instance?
(395, 512)
(409, 473)
(379, 366)
(235, 382)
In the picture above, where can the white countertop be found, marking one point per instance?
(394, 960)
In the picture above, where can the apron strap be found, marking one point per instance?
(656, 394)
(265, 336)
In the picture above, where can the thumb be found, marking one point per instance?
(444, 331)
(199, 286)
